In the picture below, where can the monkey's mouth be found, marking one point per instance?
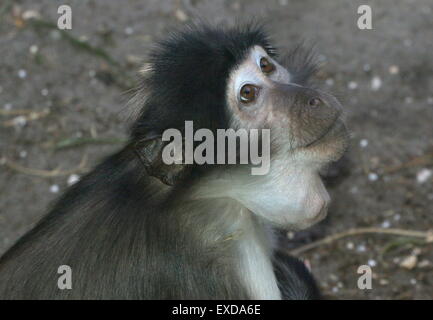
(332, 133)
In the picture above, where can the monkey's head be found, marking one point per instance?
(233, 79)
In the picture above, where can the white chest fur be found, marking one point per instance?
(255, 262)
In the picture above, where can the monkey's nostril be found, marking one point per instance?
(315, 102)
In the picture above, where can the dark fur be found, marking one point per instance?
(122, 231)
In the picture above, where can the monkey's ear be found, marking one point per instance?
(150, 153)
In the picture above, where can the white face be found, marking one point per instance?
(306, 133)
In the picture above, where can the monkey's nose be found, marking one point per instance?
(315, 102)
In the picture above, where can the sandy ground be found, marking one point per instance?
(62, 101)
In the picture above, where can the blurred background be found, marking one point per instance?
(63, 98)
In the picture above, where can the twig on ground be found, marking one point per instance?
(46, 173)
(76, 142)
(24, 118)
(427, 235)
(415, 162)
(15, 112)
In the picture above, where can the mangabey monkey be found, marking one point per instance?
(137, 228)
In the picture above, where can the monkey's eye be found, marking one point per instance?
(266, 66)
(248, 93)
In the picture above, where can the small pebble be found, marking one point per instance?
(44, 92)
(72, 179)
(22, 74)
(181, 15)
(383, 282)
(386, 224)
(413, 281)
(373, 176)
(19, 121)
(397, 217)
(7, 106)
(372, 262)
(363, 143)
(352, 85)
(23, 154)
(31, 14)
(350, 245)
(361, 248)
(283, 2)
(424, 264)
(366, 67)
(423, 175)
(409, 262)
(54, 188)
(394, 69)
(376, 83)
(429, 100)
(329, 82)
(408, 100)
(129, 31)
(33, 49)
(92, 73)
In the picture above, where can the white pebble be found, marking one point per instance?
(181, 15)
(54, 188)
(283, 2)
(397, 217)
(361, 248)
(372, 262)
(335, 289)
(352, 85)
(394, 69)
(19, 121)
(350, 245)
(376, 83)
(329, 82)
(72, 179)
(23, 154)
(363, 143)
(129, 31)
(373, 176)
(423, 175)
(430, 100)
(33, 49)
(22, 73)
(413, 281)
(386, 224)
(44, 92)
(92, 73)
(7, 106)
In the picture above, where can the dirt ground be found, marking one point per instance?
(63, 106)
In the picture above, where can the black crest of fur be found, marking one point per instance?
(188, 75)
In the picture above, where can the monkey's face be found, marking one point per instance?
(306, 132)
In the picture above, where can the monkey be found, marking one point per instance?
(136, 227)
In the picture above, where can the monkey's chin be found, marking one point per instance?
(330, 147)
(302, 225)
